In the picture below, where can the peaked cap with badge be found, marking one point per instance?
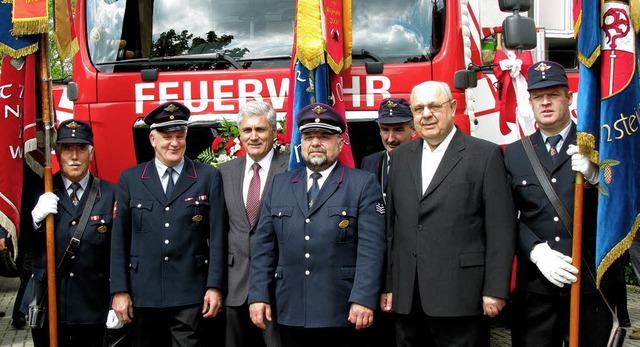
(169, 116)
(544, 74)
(394, 111)
(74, 131)
(320, 117)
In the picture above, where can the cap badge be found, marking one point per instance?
(171, 117)
(171, 108)
(319, 109)
(543, 67)
(390, 104)
(317, 120)
(73, 125)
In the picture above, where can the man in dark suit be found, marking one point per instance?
(242, 193)
(320, 242)
(83, 277)
(544, 273)
(396, 127)
(167, 260)
(450, 229)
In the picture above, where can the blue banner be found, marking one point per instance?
(13, 46)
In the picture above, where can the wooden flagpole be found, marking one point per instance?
(47, 119)
(576, 255)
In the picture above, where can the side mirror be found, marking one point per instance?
(374, 67)
(519, 33)
(72, 91)
(464, 79)
(514, 5)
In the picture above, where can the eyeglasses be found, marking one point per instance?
(433, 108)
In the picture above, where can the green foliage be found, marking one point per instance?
(629, 275)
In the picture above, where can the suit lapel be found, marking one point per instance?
(236, 184)
(187, 178)
(329, 187)
(415, 164)
(541, 151)
(65, 200)
(151, 180)
(450, 159)
(299, 186)
(562, 154)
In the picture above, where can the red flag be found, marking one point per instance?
(64, 31)
(18, 136)
(30, 17)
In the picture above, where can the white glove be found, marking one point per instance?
(113, 322)
(580, 163)
(47, 203)
(555, 266)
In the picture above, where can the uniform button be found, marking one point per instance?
(307, 255)
(73, 257)
(279, 214)
(73, 223)
(420, 227)
(553, 180)
(197, 202)
(71, 274)
(166, 258)
(306, 237)
(166, 225)
(166, 242)
(307, 220)
(557, 239)
(167, 208)
(206, 261)
(139, 205)
(555, 219)
(307, 272)
(344, 213)
(102, 221)
(524, 182)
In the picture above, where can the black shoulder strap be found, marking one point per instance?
(84, 218)
(546, 185)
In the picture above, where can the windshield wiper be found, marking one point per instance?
(191, 58)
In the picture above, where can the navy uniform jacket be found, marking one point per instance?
(457, 240)
(375, 163)
(166, 252)
(322, 259)
(83, 286)
(240, 237)
(539, 221)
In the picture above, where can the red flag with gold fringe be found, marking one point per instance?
(30, 17)
(63, 29)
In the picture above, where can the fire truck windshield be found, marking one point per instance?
(229, 34)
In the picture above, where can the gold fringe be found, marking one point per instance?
(587, 146)
(18, 53)
(590, 60)
(310, 45)
(348, 33)
(8, 225)
(66, 52)
(617, 251)
(22, 27)
(576, 25)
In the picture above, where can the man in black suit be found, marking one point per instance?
(545, 273)
(450, 229)
(168, 256)
(396, 127)
(83, 278)
(257, 126)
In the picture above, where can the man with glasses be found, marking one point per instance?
(319, 243)
(450, 229)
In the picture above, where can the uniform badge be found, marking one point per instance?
(102, 229)
(380, 208)
(197, 218)
(343, 224)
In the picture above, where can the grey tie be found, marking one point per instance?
(74, 193)
(315, 188)
(170, 183)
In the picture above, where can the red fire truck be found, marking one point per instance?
(215, 55)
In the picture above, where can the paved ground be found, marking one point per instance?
(500, 337)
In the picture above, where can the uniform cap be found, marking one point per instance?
(544, 74)
(74, 131)
(320, 117)
(394, 111)
(170, 116)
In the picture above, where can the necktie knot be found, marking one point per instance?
(256, 168)
(75, 186)
(170, 183)
(315, 188)
(553, 142)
